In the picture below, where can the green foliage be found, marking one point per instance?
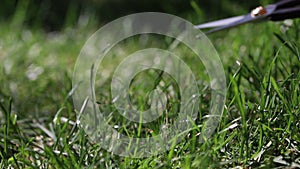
(259, 127)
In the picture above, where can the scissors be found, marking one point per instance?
(284, 9)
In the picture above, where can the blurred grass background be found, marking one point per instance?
(45, 36)
(55, 15)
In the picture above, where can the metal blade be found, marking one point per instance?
(219, 23)
(238, 20)
(247, 19)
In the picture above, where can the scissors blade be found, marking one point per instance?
(220, 22)
(246, 19)
(236, 21)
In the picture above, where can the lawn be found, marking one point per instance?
(259, 128)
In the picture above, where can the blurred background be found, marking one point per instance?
(41, 39)
(53, 15)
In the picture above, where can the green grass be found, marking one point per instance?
(259, 128)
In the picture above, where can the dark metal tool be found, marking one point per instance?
(284, 9)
